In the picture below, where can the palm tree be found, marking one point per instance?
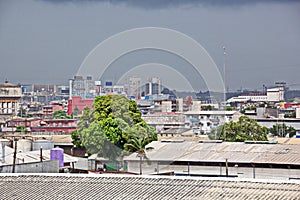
(137, 145)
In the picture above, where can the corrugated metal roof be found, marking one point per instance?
(217, 152)
(141, 187)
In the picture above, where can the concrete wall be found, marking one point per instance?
(50, 166)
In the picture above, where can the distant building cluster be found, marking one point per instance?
(35, 116)
(159, 106)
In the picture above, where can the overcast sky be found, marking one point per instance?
(45, 41)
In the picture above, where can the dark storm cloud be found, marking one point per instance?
(174, 3)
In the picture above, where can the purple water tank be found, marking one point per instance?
(57, 154)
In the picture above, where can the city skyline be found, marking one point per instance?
(46, 41)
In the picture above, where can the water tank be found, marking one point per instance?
(57, 154)
(23, 145)
(45, 144)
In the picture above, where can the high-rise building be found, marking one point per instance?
(153, 86)
(134, 87)
(79, 86)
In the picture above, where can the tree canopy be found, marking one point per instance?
(282, 130)
(60, 114)
(244, 129)
(113, 124)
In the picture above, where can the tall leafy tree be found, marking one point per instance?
(86, 119)
(112, 124)
(244, 129)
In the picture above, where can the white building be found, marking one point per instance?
(272, 95)
(206, 120)
(275, 94)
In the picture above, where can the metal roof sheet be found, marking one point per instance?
(140, 187)
(217, 152)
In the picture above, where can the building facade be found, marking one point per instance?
(10, 94)
(83, 87)
(134, 87)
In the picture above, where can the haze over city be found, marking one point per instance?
(45, 41)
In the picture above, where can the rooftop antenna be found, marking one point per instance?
(224, 79)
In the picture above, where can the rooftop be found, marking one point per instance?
(66, 186)
(235, 152)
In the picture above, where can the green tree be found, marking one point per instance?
(112, 123)
(244, 129)
(76, 139)
(86, 119)
(95, 141)
(60, 114)
(290, 115)
(22, 112)
(282, 130)
(76, 111)
(21, 128)
(137, 144)
(228, 108)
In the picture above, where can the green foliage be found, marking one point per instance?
(76, 139)
(95, 140)
(21, 128)
(139, 136)
(228, 108)
(75, 111)
(209, 107)
(282, 130)
(86, 119)
(22, 112)
(290, 115)
(60, 114)
(245, 129)
(113, 124)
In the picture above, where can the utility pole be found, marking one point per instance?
(3, 152)
(41, 154)
(226, 161)
(253, 170)
(15, 156)
(224, 80)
